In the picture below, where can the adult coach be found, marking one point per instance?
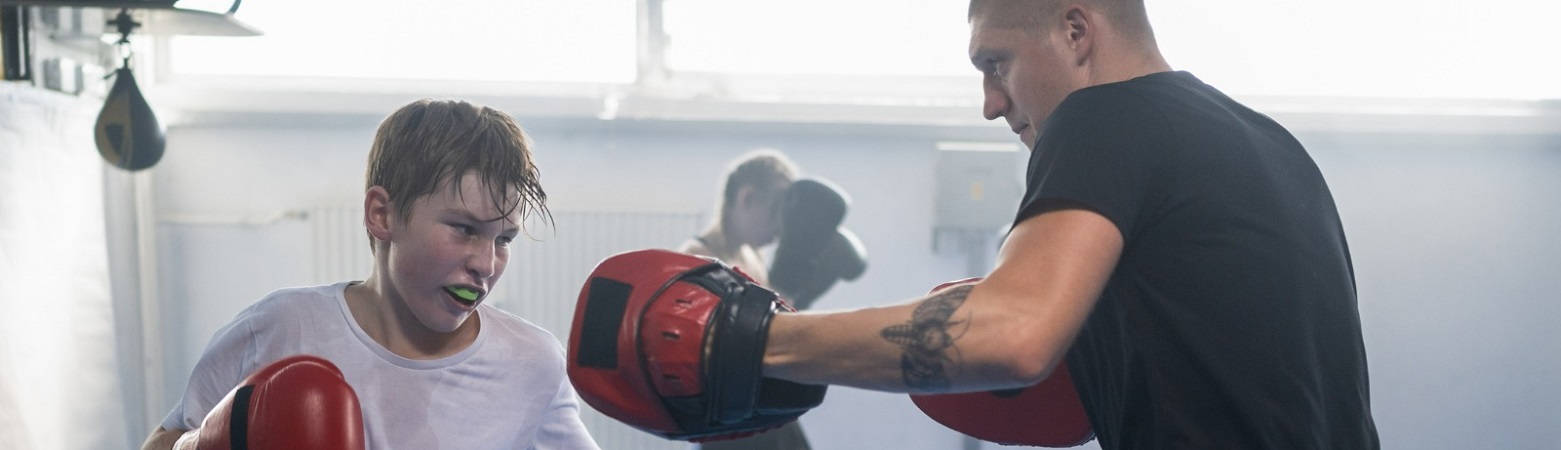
(1180, 250)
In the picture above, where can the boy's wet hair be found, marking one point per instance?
(428, 143)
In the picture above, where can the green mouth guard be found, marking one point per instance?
(464, 293)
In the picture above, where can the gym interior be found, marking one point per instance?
(1437, 126)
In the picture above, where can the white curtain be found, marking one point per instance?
(59, 383)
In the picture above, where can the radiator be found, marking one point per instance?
(542, 281)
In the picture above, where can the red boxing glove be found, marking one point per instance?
(1048, 414)
(300, 402)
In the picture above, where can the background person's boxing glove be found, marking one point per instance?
(813, 251)
(673, 344)
(298, 403)
(1048, 414)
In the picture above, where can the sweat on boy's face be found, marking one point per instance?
(454, 237)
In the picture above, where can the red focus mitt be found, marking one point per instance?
(1048, 414)
(299, 403)
(673, 344)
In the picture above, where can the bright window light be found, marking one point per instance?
(591, 41)
(829, 37)
(1311, 48)
(1498, 49)
(1434, 49)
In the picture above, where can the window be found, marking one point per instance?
(1378, 48)
(591, 41)
(1331, 48)
(825, 37)
(864, 52)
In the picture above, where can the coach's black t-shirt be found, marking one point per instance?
(1230, 320)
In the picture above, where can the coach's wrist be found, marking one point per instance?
(778, 357)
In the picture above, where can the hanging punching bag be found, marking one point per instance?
(128, 134)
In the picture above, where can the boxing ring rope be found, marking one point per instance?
(543, 278)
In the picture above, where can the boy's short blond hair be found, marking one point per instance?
(428, 143)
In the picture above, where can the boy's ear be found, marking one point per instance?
(377, 216)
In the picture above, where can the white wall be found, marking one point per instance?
(1456, 255)
(1453, 241)
(59, 363)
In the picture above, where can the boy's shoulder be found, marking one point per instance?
(290, 304)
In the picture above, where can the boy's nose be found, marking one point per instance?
(485, 261)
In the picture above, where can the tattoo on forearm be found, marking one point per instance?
(927, 340)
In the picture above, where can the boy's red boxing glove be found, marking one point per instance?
(1048, 414)
(301, 402)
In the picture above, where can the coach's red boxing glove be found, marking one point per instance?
(298, 403)
(673, 344)
(1048, 414)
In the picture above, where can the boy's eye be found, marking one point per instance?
(506, 240)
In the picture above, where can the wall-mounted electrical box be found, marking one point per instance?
(978, 185)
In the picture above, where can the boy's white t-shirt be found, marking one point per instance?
(508, 390)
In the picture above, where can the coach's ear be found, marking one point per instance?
(377, 215)
(1080, 26)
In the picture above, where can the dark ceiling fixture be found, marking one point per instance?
(127, 132)
(169, 19)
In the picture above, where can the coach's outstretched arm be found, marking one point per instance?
(1008, 330)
